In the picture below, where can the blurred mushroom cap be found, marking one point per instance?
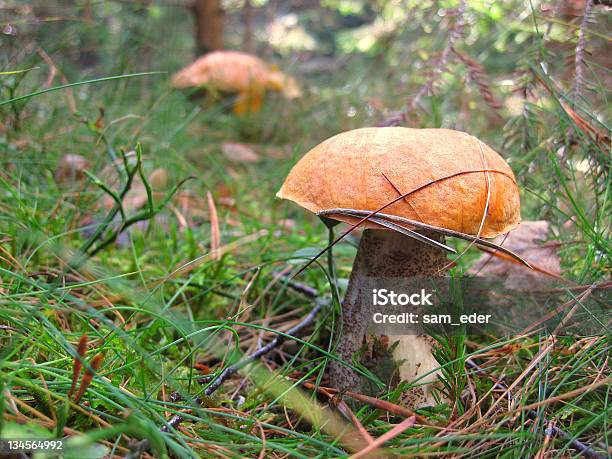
(234, 71)
(445, 167)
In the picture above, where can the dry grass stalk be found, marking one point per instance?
(215, 233)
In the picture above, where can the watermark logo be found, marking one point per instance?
(384, 297)
(476, 305)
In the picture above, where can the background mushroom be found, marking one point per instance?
(237, 72)
(456, 180)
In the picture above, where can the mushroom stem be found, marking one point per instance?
(387, 254)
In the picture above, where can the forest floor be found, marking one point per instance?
(114, 328)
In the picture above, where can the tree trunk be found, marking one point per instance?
(247, 12)
(209, 25)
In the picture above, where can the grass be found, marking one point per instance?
(167, 313)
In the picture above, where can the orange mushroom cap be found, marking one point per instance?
(453, 173)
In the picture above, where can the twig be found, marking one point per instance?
(374, 402)
(347, 413)
(451, 233)
(394, 432)
(297, 286)
(542, 353)
(579, 446)
(548, 435)
(477, 74)
(413, 234)
(225, 374)
(51, 65)
(570, 394)
(579, 80)
(175, 420)
(53, 72)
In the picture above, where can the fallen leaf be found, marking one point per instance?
(528, 241)
(239, 152)
(159, 179)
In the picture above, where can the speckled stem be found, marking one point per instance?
(381, 253)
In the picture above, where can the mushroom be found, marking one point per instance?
(237, 72)
(455, 179)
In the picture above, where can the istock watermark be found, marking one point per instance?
(477, 305)
(383, 297)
